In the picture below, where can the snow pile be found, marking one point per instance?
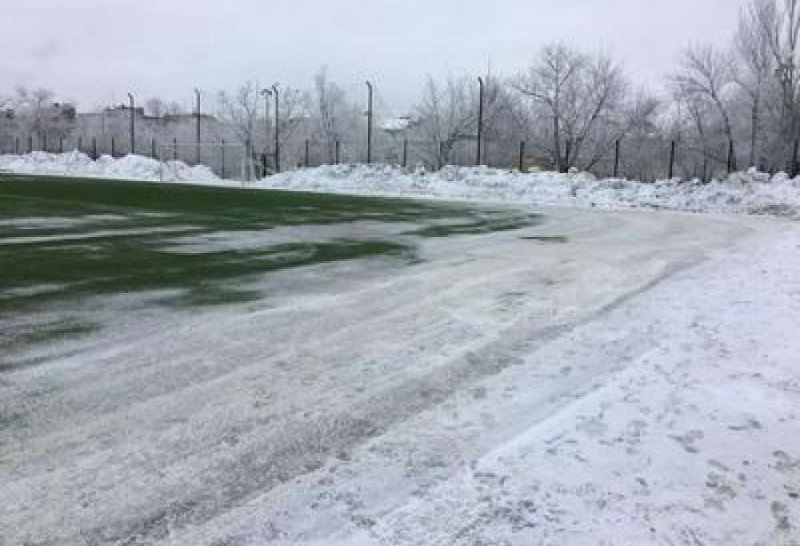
(134, 167)
(744, 193)
(748, 193)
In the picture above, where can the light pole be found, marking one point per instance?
(266, 93)
(480, 121)
(197, 125)
(369, 122)
(277, 128)
(133, 123)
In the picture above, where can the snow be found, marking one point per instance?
(133, 167)
(637, 384)
(100, 234)
(748, 193)
(396, 124)
(742, 193)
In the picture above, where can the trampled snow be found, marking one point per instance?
(635, 383)
(630, 385)
(747, 193)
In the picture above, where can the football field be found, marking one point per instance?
(185, 364)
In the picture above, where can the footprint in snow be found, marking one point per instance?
(688, 440)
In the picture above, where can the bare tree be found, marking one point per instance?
(578, 93)
(295, 123)
(240, 111)
(155, 107)
(330, 101)
(173, 109)
(752, 44)
(708, 74)
(782, 25)
(37, 113)
(446, 116)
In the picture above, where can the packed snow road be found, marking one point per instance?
(598, 378)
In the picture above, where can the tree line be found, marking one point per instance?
(725, 107)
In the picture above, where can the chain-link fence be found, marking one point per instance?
(645, 159)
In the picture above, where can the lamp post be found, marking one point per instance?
(277, 128)
(369, 121)
(198, 113)
(133, 123)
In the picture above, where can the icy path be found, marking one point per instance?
(610, 390)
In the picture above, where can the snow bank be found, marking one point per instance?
(743, 193)
(746, 193)
(134, 167)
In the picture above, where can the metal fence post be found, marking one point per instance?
(133, 123)
(175, 149)
(80, 144)
(338, 150)
(16, 145)
(61, 145)
(94, 148)
(249, 156)
(223, 159)
(671, 171)
(113, 147)
(730, 157)
(795, 165)
(197, 127)
(480, 121)
(405, 153)
(307, 159)
(369, 122)
(522, 156)
(277, 94)
(616, 158)
(30, 144)
(153, 152)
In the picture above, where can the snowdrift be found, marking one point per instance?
(743, 193)
(133, 167)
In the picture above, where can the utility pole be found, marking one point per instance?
(480, 121)
(198, 113)
(133, 123)
(369, 121)
(277, 128)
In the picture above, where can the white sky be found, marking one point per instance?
(93, 51)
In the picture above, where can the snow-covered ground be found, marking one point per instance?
(748, 193)
(602, 378)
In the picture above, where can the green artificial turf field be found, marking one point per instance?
(63, 238)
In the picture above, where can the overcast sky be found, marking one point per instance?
(94, 51)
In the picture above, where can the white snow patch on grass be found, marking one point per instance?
(103, 234)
